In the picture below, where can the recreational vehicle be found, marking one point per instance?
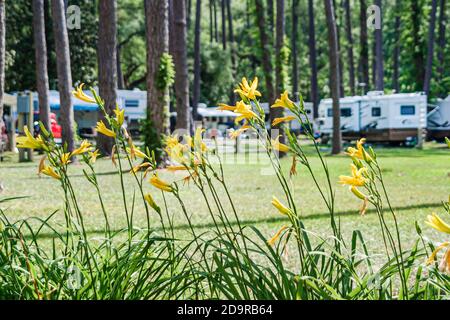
(439, 121)
(378, 117)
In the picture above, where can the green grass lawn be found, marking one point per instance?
(417, 180)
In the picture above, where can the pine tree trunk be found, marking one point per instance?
(294, 36)
(180, 60)
(441, 40)
(211, 22)
(313, 59)
(188, 13)
(350, 44)
(266, 54)
(418, 57)
(364, 45)
(216, 30)
(270, 17)
(379, 85)
(341, 62)
(396, 58)
(40, 45)
(430, 48)
(2, 59)
(224, 24)
(232, 48)
(334, 74)
(107, 65)
(157, 34)
(196, 95)
(64, 73)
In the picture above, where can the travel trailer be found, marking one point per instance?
(439, 121)
(377, 117)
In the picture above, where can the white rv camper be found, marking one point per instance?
(377, 117)
(439, 120)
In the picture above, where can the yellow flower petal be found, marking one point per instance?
(160, 184)
(101, 127)
(281, 208)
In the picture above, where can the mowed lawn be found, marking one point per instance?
(417, 181)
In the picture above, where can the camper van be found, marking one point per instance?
(378, 117)
(439, 121)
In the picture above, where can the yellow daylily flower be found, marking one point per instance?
(444, 265)
(101, 127)
(160, 184)
(49, 171)
(277, 145)
(244, 111)
(238, 132)
(225, 107)
(93, 156)
(277, 235)
(248, 91)
(437, 223)
(120, 115)
(65, 158)
(281, 207)
(84, 147)
(79, 94)
(277, 121)
(176, 168)
(29, 142)
(139, 167)
(357, 179)
(284, 102)
(197, 142)
(148, 197)
(359, 152)
(136, 152)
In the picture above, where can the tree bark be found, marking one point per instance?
(430, 48)
(40, 46)
(396, 58)
(379, 85)
(180, 60)
(266, 53)
(64, 73)
(157, 34)
(334, 74)
(224, 24)
(232, 48)
(364, 45)
(270, 18)
(216, 30)
(350, 44)
(107, 65)
(294, 48)
(211, 22)
(313, 59)
(2, 58)
(441, 40)
(417, 55)
(196, 95)
(188, 13)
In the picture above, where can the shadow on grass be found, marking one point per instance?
(47, 235)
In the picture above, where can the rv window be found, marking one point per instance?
(408, 110)
(376, 112)
(345, 112)
(131, 103)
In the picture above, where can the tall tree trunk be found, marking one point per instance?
(224, 24)
(211, 22)
(171, 29)
(364, 45)
(280, 85)
(40, 46)
(396, 58)
(430, 48)
(107, 65)
(180, 60)
(196, 95)
(270, 17)
(216, 30)
(418, 57)
(188, 13)
(266, 53)
(334, 74)
(313, 59)
(232, 47)
(2, 59)
(294, 48)
(157, 34)
(64, 73)
(441, 40)
(379, 85)
(350, 44)
(341, 62)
